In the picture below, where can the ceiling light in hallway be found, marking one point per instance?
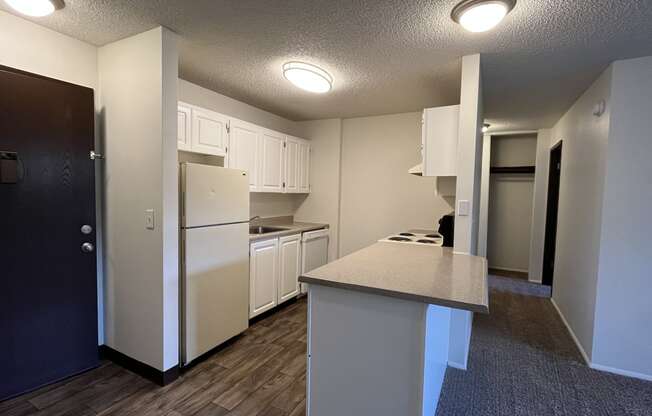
(308, 77)
(481, 15)
(36, 8)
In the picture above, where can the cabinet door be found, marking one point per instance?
(271, 179)
(292, 164)
(244, 150)
(209, 132)
(304, 166)
(184, 127)
(439, 140)
(263, 276)
(289, 263)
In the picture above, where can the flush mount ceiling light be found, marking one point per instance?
(481, 15)
(308, 77)
(36, 8)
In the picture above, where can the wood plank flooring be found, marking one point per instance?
(262, 373)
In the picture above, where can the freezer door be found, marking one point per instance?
(213, 195)
(215, 289)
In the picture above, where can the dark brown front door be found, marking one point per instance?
(48, 283)
(550, 245)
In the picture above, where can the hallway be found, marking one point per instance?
(524, 362)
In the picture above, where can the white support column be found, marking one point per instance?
(469, 157)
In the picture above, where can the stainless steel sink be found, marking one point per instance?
(261, 229)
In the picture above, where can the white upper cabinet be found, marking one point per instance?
(439, 136)
(184, 127)
(292, 164)
(209, 132)
(272, 161)
(304, 166)
(289, 251)
(276, 162)
(244, 150)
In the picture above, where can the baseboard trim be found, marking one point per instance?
(457, 365)
(507, 269)
(155, 375)
(620, 372)
(572, 334)
(595, 366)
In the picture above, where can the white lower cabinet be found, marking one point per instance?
(263, 276)
(275, 266)
(289, 251)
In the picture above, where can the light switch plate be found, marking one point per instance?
(463, 208)
(149, 219)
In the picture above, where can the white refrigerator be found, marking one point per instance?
(214, 257)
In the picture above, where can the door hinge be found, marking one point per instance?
(228, 127)
(93, 155)
(226, 149)
(285, 145)
(283, 184)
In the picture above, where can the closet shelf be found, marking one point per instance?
(513, 169)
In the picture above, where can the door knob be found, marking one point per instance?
(87, 247)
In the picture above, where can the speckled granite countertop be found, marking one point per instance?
(289, 225)
(426, 274)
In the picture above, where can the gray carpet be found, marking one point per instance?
(519, 286)
(524, 362)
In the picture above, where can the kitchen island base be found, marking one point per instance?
(374, 355)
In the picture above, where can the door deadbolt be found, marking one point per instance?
(86, 229)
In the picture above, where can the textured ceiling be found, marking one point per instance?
(387, 56)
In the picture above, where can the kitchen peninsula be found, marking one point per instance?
(381, 327)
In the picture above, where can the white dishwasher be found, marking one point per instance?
(314, 249)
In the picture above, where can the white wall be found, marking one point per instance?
(268, 205)
(138, 80)
(623, 334)
(196, 95)
(514, 150)
(580, 209)
(323, 203)
(539, 205)
(378, 196)
(510, 203)
(510, 220)
(484, 196)
(33, 48)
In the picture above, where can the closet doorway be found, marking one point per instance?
(511, 191)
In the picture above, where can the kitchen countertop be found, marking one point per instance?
(291, 227)
(427, 274)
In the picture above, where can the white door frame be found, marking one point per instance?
(484, 185)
